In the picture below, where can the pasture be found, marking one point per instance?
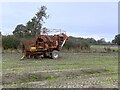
(71, 70)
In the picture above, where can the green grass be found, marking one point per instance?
(51, 78)
(96, 63)
(67, 61)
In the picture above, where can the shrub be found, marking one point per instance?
(108, 49)
(84, 45)
(10, 42)
(77, 44)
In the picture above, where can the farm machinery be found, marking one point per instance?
(44, 45)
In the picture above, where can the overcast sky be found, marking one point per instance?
(80, 19)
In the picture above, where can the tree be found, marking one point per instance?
(32, 27)
(101, 41)
(20, 30)
(35, 25)
(116, 40)
(91, 41)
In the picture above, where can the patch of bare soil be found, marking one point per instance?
(59, 79)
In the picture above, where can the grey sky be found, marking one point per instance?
(88, 19)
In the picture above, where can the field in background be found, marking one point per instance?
(95, 49)
(71, 70)
(102, 48)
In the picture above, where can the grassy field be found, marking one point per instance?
(101, 48)
(71, 70)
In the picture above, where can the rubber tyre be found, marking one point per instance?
(55, 54)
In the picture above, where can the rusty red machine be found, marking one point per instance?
(44, 45)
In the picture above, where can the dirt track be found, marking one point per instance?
(63, 79)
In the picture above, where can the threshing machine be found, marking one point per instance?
(44, 45)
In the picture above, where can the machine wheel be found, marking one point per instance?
(55, 54)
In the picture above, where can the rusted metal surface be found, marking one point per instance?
(44, 45)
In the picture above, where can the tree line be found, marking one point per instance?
(11, 42)
(85, 43)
